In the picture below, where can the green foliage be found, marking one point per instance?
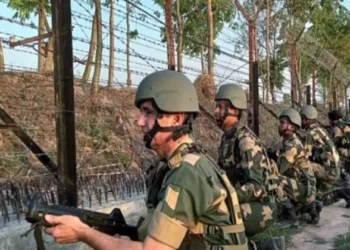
(277, 65)
(286, 98)
(133, 34)
(94, 129)
(342, 242)
(26, 8)
(194, 16)
(275, 231)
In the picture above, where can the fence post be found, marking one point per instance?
(308, 95)
(256, 98)
(64, 101)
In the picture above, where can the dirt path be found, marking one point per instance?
(335, 220)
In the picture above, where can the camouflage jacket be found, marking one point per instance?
(244, 159)
(320, 148)
(292, 161)
(342, 139)
(193, 200)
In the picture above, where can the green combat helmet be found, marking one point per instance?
(171, 92)
(233, 93)
(309, 112)
(293, 116)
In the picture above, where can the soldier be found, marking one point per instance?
(195, 207)
(244, 159)
(320, 149)
(342, 142)
(334, 118)
(298, 184)
(342, 137)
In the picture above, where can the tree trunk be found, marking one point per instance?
(325, 93)
(299, 82)
(211, 43)
(87, 70)
(314, 84)
(267, 50)
(98, 59)
(2, 59)
(41, 31)
(204, 69)
(292, 70)
(169, 34)
(128, 78)
(180, 25)
(111, 45)
(49, 59)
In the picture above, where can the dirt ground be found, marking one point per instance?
(335, 220)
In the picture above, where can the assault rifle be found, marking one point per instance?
(113, 223)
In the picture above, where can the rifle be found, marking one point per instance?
(111, 224)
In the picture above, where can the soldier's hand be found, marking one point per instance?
(65, 228)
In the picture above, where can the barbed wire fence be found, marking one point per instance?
(110, 155)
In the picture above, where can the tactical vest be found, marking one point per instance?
(196, 237)
(230, 158)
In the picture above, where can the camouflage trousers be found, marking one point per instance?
(258, 216)
(326, 177)
(294, 190)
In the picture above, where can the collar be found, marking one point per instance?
(177, 156)
(289, 138)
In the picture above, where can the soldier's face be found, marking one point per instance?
(149, 116)
(283, 127)
(222, 110)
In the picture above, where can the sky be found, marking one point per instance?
(148, 52)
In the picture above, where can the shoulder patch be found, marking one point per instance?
(191, 158)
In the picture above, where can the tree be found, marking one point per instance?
(98, 58)
(110, 4)
(24, 10)
(128, 79)
(169, 34)
(91, 54)
(180, 27)
(2, 60)
(194, 36)
(210, 43)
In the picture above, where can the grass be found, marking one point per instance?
(342, 242)
(275, 231)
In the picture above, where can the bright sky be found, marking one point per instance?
(149, 53)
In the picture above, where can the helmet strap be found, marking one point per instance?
(178, 131)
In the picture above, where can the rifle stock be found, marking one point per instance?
(113, 223)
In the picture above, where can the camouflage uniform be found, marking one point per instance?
(321, 151)
(297, 188)
(241, 155)
(298, 182)
(342, 137)
(191, 204)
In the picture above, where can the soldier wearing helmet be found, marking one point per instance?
(320, 149)
(342, 136)
(195, 207)
(298, 184)
(334, 117)
(242, 156)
